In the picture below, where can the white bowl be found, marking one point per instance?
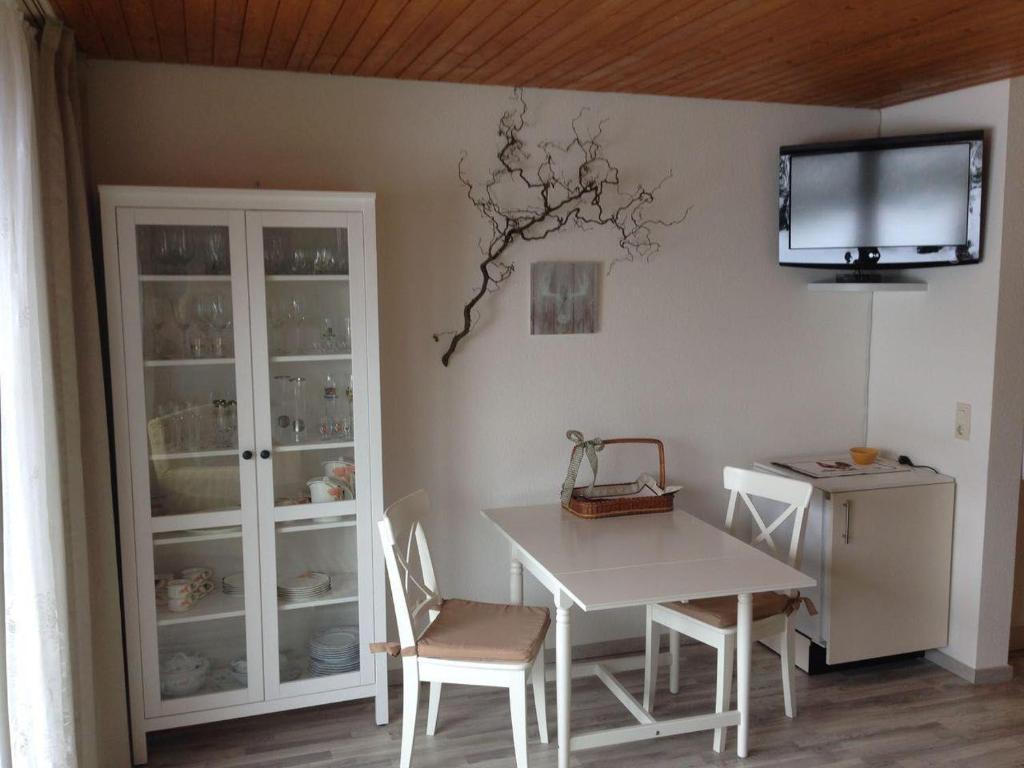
(182, 674)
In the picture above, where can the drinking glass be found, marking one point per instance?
(328, 343)
(282, 421)
(343, 429)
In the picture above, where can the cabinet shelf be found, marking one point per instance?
(344, 589)
(307, 278)
(314, 526)
(193, 455)
(189, 362)
(192, 536)
(286, 513)
(184, 278)
(215, 605)
(184, 524)
(322, 445)
(309, 358)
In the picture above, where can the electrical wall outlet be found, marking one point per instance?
(962, 429)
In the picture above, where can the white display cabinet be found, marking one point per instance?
(245, 378)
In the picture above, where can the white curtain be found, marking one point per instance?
(64, 682)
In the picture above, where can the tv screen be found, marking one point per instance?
(898, 202)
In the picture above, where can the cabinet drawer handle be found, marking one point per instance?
(846, 532)
(264, 454)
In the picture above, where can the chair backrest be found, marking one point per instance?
(410, 570)
(744, 483)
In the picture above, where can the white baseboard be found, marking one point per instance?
(983, 676)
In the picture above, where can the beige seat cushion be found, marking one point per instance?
(469, 631)
(721, 611)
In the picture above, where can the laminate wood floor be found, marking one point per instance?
(905, 714)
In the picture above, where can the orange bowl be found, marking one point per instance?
(864, 456)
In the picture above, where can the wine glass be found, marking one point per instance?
(325, 262)
(277, 319)
(204, 310)
(274, 254)
(157, 312)
(219, 320)
(170, 250)
(178, 248)
(184, 319)
(296, 312)
(301, 261)
(216, 258)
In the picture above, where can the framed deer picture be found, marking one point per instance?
(563, 297)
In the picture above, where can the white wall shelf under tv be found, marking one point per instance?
(901, 286)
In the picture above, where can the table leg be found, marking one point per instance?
(744, 620)
(563, 675)
(515, 584)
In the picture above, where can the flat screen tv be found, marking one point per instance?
(908, 201)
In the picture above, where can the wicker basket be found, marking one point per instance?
(593, 507)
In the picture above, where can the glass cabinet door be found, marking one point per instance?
(184, 297)
(311, 427)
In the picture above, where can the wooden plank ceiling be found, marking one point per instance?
(864, 53)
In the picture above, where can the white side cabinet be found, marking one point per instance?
(880, 548)
(244, 365)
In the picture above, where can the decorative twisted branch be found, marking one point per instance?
(573, 184)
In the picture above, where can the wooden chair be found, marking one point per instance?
(713, 620)
(463, 641)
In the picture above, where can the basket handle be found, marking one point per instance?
(645, 440)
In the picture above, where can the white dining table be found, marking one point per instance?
(618, 562)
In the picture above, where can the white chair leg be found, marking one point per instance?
(517, 703)
(786, 644)
(410, 701)
(540, 701)
(673, 671)
(723, 694)
(651, 653)
(433, 703)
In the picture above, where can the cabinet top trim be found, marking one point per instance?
(233, 199)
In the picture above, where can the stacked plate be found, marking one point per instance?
(233, 584)
(305, 586)
(334, 650)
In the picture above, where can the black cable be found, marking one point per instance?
(906, 460)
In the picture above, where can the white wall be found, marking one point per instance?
(711, 346)
(930, 350)
(1013, 237)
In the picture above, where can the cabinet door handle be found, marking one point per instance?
(846, 531)
(264, 454)
(247, 455)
